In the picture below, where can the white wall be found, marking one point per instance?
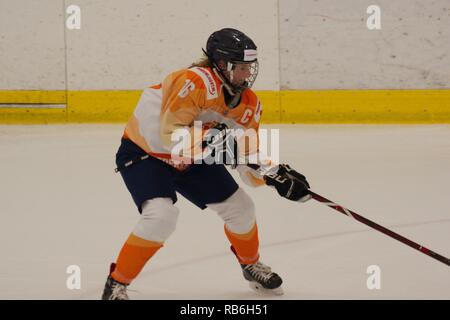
(304, 44)
(326, 44)
(32, 45)
(128, 44)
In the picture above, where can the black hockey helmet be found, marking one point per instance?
(232, 47)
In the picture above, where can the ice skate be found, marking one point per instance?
(114, 290)
(262, 279)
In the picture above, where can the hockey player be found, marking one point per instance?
(217, 92)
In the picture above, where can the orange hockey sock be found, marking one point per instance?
(134, 255)
(245, 245)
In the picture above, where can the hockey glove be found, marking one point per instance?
(220, 146)
(289, 183)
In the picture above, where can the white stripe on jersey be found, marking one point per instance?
(147, 112)
(208, 80)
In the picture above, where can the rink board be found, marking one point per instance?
(319, 106)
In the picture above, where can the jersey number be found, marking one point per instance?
(188, 86)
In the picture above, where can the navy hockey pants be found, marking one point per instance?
(152, 178)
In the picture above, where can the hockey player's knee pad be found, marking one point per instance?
(238, 212)
(158, 220)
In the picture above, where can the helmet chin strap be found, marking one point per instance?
(224, 81)
(230, 71)
(235, 100)
(236, 95)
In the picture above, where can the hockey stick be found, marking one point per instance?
(372, 224)
(343, 210)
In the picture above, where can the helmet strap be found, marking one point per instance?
(232, 97)
(230, 71)
(224, 80)
(234, 101)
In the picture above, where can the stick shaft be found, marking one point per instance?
(380, 228)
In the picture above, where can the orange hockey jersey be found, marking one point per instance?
(184, 97)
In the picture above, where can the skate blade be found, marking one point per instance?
(255, 286)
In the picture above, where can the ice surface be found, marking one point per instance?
(62, 204)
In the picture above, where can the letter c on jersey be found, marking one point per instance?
(246, 116)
